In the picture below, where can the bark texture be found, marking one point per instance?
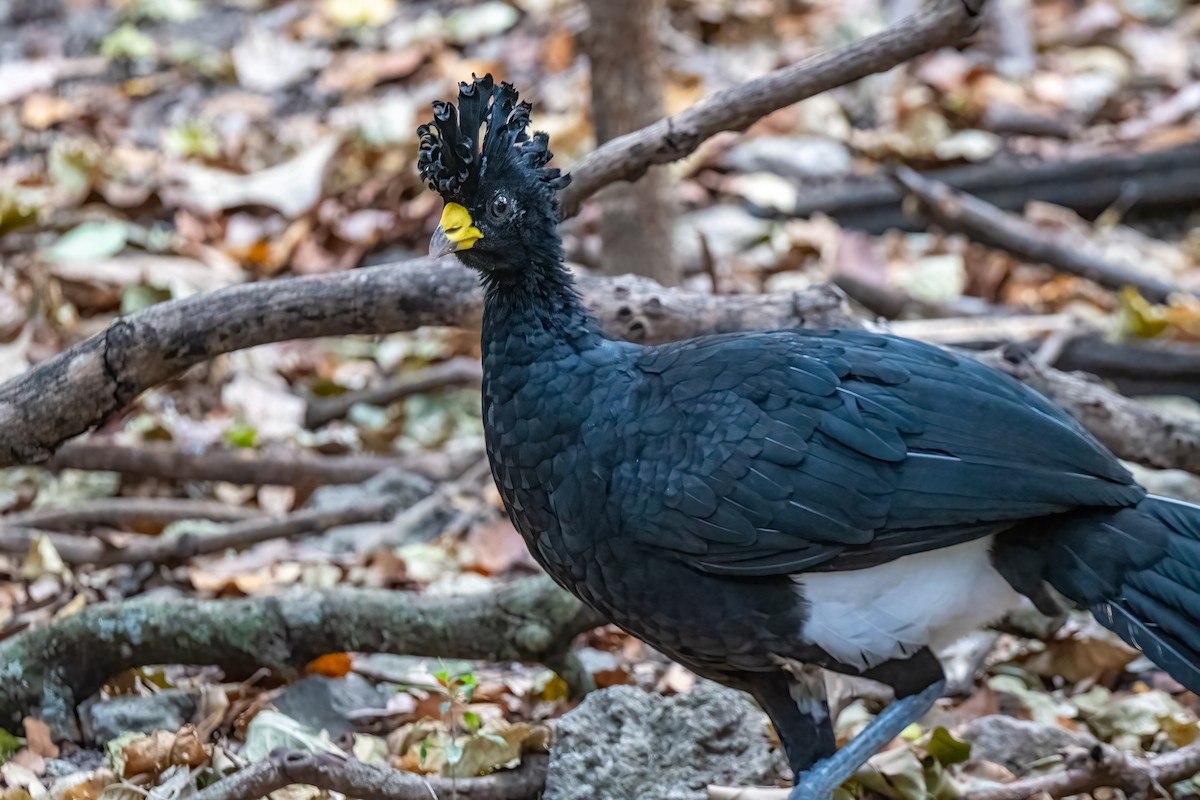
(44, 672)
(87, 383)
(637, 221)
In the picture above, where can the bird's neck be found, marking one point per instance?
(535, 313)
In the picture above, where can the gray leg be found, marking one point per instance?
(828, 774)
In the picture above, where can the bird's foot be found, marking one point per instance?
(828, 774)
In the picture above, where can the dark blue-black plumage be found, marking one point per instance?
(706, 495)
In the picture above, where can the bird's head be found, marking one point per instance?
(501, 211)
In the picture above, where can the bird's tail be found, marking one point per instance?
(1137, 569)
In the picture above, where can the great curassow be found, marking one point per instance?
(761, 506)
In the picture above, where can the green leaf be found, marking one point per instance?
(128, 42)
(167, 10)
(191, 138)
(91, 241)
(14, 213)
(242, 435)
(454, 752)
(137, 296)
(324, 387)
(73, 164)
(115, 749)
(946, 749)
(9, 745)
(471, 720)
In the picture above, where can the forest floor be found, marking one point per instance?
(156, 149)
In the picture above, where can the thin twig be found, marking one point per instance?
(942, 22)
(455, 372)
(176, 549)
(367, 782)
(987, 224)
(124, 511)
(1106, 766)
(230, 466)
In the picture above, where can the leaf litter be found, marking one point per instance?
(161, 149)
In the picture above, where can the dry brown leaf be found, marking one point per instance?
(497, 547)
(38, 738)
(42, 111)
(162, 749)
(84, 785)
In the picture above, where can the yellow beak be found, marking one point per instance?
(455, 232)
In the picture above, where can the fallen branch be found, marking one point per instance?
(231, 466)
(90, 381)
(1107, 767)
(626, 158)
(82, 550)
(115, 512)
(1135, 369)
(45, 671)
(51, 399)
(1088, 183)
(984, 223)
(355, 779)
(455, 372)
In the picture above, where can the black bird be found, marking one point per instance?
(761, 506)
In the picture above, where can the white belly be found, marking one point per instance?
(868, 616)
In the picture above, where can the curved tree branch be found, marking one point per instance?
(626, 158)
(85, 384)
(53, 401)
(355, 779)
(47, 670)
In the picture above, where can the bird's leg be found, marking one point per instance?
(820, 781)
(911, 705)
(794, 699)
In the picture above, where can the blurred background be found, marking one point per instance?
(151, 150)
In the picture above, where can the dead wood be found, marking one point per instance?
(253, 468)
(1086, 183)
(85, 550)
(368, 782)
(45, 671)
(985, 223)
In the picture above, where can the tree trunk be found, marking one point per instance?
(637, 220)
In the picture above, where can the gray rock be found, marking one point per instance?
(623, 743)
(325, 703)
(791, 156)
(167, 710)
(1017, 743)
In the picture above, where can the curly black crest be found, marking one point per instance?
(451, 160)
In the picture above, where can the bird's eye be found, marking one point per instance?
(500, 206)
